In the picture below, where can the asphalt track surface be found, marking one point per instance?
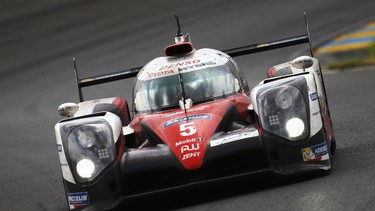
(39, 38)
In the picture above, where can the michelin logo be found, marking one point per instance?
(78, 199)
(315, 153)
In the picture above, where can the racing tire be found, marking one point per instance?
(333, 145)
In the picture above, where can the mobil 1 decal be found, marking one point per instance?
(189, 147)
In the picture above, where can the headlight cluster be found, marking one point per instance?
(284, 110)
(89, 147)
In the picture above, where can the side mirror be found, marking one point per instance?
(68, 109)
(302, 62)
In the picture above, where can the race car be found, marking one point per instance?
(194, 119)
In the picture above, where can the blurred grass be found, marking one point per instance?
(371, 50)
(367, 59)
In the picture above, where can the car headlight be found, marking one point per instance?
(86, 138)
(85, 168)
(283, 109)
(283, 99)
(295, 127)
(89, 147)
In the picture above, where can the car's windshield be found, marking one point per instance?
(200, 86)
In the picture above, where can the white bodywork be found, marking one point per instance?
(112, 119)
(314, 82)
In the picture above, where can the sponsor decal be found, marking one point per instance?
(190, 147)
(59, 148)
(234, 137)
(190, 155)
(76, 200)
(180, 64)
(187, 141)
(171, 69)
(188, 118)
(314, 96)
(191, 67)
(159, 74)
(315, 153)
(315, 113)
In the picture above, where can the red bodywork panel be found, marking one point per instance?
(188, 134)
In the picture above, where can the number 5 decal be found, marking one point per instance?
(187, 129)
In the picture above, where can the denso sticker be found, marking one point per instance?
(180, 64)
(188, 118)
(76, 200)
(315, 153)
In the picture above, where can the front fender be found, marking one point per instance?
(64, 128)
(278, 100)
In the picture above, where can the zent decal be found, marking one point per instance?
(190, 155)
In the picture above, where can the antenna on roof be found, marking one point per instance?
(178, 26)
(179, 37)
(182, 44)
